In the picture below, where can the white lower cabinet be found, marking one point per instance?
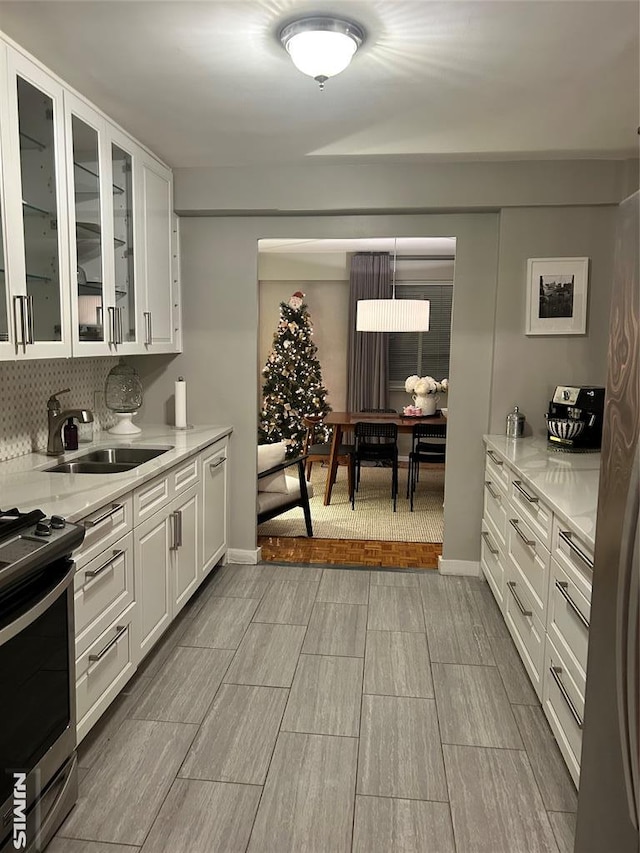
(540, 571)
(104, 668)
(152, 555)
(132, 579)
(185, 552)
(214, 505)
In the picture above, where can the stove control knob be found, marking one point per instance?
(43, 528)
(57, 522)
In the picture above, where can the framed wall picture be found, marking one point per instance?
(557, 296)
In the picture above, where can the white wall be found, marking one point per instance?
(527, 369)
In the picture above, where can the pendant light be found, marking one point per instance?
(392, 315)
(321, 47)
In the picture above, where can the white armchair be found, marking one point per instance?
(277, 491)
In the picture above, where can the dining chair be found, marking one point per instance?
(425, 452)
(320, 451)
(376, 443)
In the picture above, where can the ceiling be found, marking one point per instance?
(208, 84)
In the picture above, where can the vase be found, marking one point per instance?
(426, 402)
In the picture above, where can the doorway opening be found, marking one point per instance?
(371, 533)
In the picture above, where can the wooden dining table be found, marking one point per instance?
(341, 421)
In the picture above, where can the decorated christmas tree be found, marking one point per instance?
(293, 380)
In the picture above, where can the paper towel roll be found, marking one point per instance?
(181, 403)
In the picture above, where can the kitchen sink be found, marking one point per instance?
(108, 460)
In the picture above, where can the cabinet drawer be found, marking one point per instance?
(185, 475)
(104, 527)
(496, 470)
(569, 615)
(492, 563)
(525, 628)
(495, 510)
(103, 669)
(103, 589)
(532, 508)
(563, 705)
(574, 556)
(531, 562)
(151, 497)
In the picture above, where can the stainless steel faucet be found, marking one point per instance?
(57, 417)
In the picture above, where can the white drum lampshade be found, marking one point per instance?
(392, 315)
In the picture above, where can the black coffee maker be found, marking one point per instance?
(574, 419)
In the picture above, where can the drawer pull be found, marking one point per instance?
(565, 535)
(562, 587)
(492, 550)
(120, 629)
(514, 523)
(533, 499)
(217, 464)
(521, 608)
(493, 457)
(491, 490)
(555, 672)
(93, 573)
(93, 522)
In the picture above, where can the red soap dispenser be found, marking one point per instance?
(70, 435)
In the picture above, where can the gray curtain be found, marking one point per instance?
(368, 352)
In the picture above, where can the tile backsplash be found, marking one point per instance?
(25, 387)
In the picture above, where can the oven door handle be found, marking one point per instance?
(40, 607)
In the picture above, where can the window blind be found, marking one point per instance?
(423, 353)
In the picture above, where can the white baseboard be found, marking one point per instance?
(243, 556)
(470, 568)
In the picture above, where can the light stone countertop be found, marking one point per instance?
(24, 483)
(568, 482)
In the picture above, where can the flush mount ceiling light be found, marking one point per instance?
(392, 315)
(321, 47)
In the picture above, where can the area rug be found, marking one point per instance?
(373, 517)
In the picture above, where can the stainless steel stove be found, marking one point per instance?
(38, 771)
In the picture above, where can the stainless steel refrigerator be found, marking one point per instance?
(608, 803)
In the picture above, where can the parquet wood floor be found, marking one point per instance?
(350, 552)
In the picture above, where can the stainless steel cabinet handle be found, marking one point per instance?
(492, 550)
(93, 573)
(555, 672)
(148, 327)
(120, 629)
(562, 587)
(217, 464)
(521, 607)
(533, 499)
(20, 334)
(565, 535)
(29, 302)
(92, 522)
(491, 490)
(494, 457)
(177, 530)
(112, 325)
(514, 523)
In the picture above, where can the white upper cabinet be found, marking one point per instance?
(36, 251)
(87, 250)
(159, 304)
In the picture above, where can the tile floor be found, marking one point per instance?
(292, 708)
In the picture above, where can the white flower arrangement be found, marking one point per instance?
(423, 385)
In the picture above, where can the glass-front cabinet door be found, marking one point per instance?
(36, 249)
(123, 164)
(94, 329)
